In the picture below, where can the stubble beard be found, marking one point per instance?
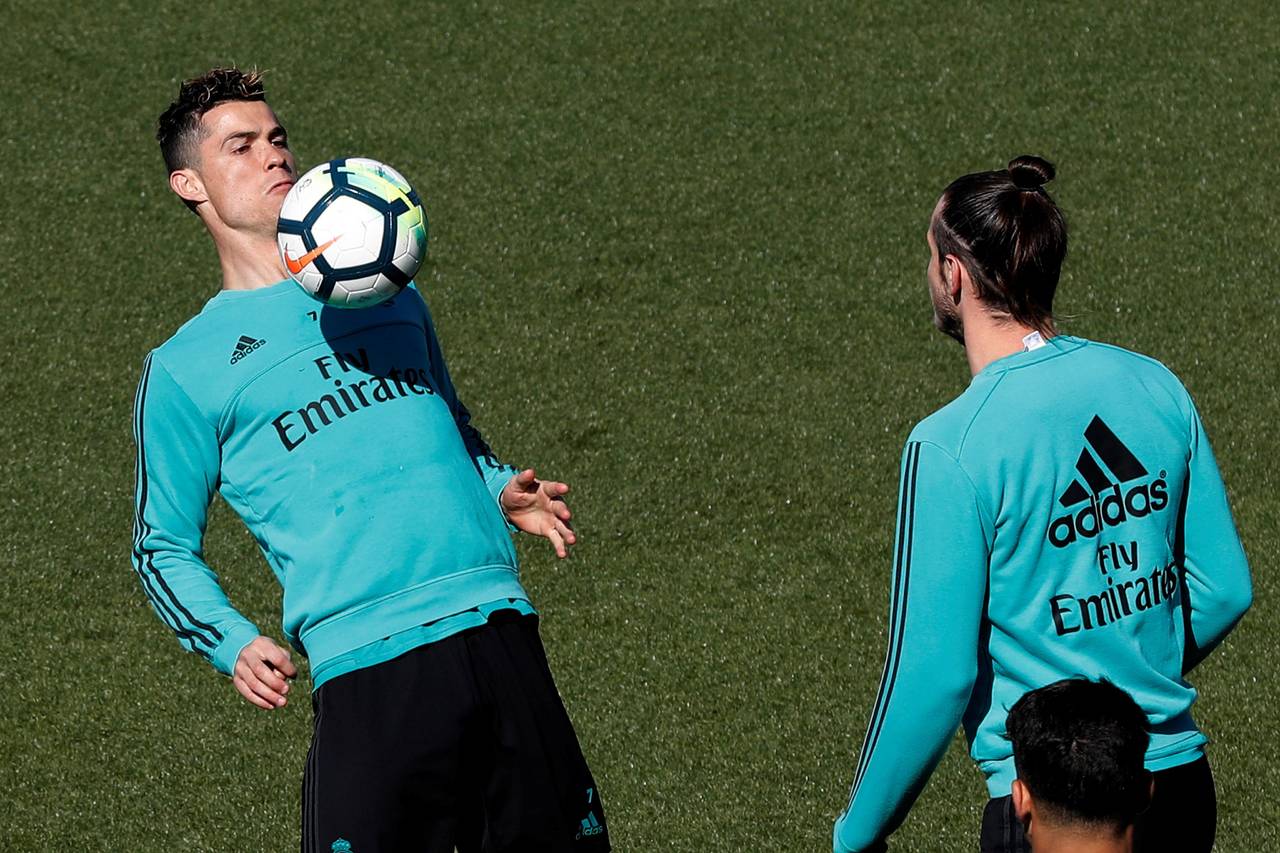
(946, 319)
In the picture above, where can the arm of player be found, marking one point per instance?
(177, 472)
(1217, 589)
(496, 475)
(939, 586)
(531, 505)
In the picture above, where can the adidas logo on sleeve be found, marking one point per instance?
(244, 346)
(1107, 503)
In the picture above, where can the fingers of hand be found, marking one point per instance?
(561, 510)
(565, 532)
(280, 660)
(260, 673)
(270, 677)
(557, 542)
(561, 536)
(247, 692)
(526, 479)
(252, 687)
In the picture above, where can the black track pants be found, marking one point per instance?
(459, 743)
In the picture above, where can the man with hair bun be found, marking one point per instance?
(1063, 517)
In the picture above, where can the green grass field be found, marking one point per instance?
(677, 261)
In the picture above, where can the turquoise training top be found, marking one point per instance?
(1063, 517)
(338, 438)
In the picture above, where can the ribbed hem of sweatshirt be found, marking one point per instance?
(345, 632)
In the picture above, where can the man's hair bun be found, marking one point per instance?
(1030, 172)
(1011, 237)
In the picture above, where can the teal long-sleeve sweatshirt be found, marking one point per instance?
(1063, 517)
(339, 439)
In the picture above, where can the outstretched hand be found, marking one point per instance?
(536, 506)
(261, 673)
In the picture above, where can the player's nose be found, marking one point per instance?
(276, 158)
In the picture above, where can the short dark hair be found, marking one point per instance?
(1079, 746)
(179, 130)
(1010, 235)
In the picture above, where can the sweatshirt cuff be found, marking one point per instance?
(233, 642)
(497, 482)
(838, 844)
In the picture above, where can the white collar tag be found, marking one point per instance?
(1032, 341)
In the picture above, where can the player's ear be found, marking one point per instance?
(955, 276)
(1021, 802)
(1151, 790)
(187, 184)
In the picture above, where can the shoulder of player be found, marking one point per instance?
(977, 423)
(1137, 359)
(1157, 380)
(227, 328)
(949, 426)
(414, 297)
(225, 312)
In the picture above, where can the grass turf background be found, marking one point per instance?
(677, 260)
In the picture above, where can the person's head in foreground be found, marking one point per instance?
(996, 245)
(1078, 750)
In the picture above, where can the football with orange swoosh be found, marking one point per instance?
(352, 232)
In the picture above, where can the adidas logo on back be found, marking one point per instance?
(244, 346)
(1108, 504)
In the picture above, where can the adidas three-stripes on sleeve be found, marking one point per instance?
(177, 473)
(939, 581)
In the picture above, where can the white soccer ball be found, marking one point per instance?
(352, 232)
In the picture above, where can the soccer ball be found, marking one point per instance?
(352, 232)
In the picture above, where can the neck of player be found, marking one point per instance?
(1063, 840)
(988, 339)
(249, 260)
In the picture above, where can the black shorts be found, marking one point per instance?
(462, 743)
(1183, 816)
